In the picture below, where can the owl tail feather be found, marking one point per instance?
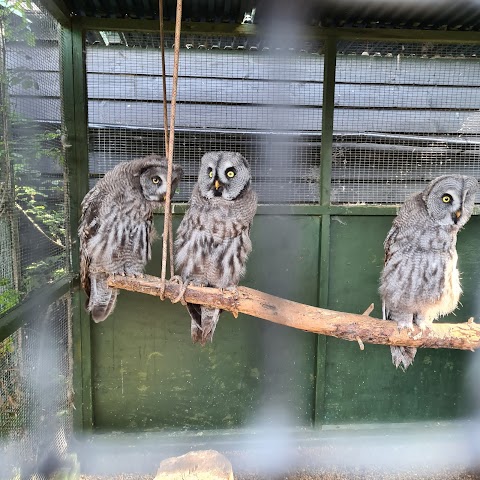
(196, 315)
(204, 321)
(403, 356)
(210, 318)
(102, 298)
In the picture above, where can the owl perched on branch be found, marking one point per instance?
(420, 280)
(213, 239)
(116, 226)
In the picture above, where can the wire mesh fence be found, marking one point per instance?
(36, 390)
(404, 114)
(234, 93)
(33, 188)
(35, 363)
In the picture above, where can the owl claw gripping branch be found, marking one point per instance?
(420, 280)
(116, 227)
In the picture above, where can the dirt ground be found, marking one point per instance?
(320, 476)
(336, 460)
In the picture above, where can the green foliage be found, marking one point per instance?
(14, 21)
(8, 297)
(34, 203)
(37, 274)
(38, 200)
(7, 347)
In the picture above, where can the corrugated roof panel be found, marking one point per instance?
(425, 14)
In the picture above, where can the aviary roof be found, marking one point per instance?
(460, 15)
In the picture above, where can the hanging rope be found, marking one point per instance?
(165, 118)
(169, 137)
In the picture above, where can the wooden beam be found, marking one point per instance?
(347, 326)
(74, 96)
(15, 318)
(146, 25)
(384, 34)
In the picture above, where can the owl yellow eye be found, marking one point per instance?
(155, 180)
(230, 172)
(210, 174)
(447, 198)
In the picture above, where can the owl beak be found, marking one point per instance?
(217, 184)
(456, 216)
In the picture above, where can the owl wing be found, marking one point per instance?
(89, 225)
(186, 263)
(389, 242)
(387, 245)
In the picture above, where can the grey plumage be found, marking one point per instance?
(420, 280)
(116, 226)
(213, 239)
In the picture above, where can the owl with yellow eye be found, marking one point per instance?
(420, 280)
(116, 226)
(213, 240)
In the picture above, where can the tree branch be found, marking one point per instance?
(347, 326)
(35, 225)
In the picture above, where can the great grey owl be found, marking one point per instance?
(213, 239)
(116, 228)
(420, 279)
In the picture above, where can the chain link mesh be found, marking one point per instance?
(35, 361)
(33, 188)
(234, 94)
(404, 114)
(36, 389)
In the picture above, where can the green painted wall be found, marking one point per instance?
(363, 387)
(147, 373)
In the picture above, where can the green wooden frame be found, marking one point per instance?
(75, 116)
(324, 209)
(76, 125)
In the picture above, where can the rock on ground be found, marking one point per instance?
(197, 465)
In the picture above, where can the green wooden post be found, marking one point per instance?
(325, 181)
(330, 60)
(75, 120)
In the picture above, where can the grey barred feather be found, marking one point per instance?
(116, 226)
(213, 240)
(420, 280)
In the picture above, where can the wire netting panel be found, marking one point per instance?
(404, 114)
(36, 390)
(233, 94)
(33, 189)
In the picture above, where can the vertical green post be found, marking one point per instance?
(325, 182)
(328, 104)
(76, 130)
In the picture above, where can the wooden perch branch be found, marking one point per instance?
(347, 326)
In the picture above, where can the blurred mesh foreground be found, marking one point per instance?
(35, 358)
(398, 123)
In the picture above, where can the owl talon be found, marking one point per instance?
(234, 292)
(183, 287)
(423, 325)
(405, 325)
